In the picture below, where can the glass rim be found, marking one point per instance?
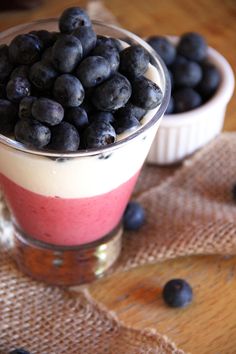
(108, 148)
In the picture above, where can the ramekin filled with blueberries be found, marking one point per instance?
(202, 85)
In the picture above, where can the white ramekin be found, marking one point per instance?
(181, 134)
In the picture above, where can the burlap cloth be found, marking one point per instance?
(190, 210)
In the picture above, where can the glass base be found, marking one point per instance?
(66, 265)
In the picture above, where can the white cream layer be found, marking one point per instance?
(85, 176)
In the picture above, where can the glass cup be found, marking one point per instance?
(67, 208)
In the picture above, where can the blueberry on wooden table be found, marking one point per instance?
(134, 216)
(177, 293)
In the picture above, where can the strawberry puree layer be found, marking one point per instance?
(66, 221)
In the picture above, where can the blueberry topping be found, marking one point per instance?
(131, 109)
(20, 71)
(186, 99)
(47, 111)
(187, 74)
(110, 53)
(112, 94)
(25, 107)
(99, 134)
(111, 42)
(210, 80)
(177, 293)
(68, 90)
(19, 351)
(18, 88)
(93, 70)
(192, 46)
(124, 123)
(134, 61)
(145, 93)
(47, 38)
(67, 52)
(25, 49)
(134, 216)
(163, 47)
(42, 75)
(78, 117)
(87, 37)
(99, 116)
(65, 138)
(8, 116)
(5, 65)
(47, 56)
(31, 132)
(73, 18)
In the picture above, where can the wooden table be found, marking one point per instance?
(209, 324)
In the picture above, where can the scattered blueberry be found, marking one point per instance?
(93, 70)
(210, 80)
(25, 49)
(31, 132)
(87, 37)
(177, 293)
(42, 75)
(68, 90)
(163, 47)
(19, 351)
(25, 107)
(187, 74)
(18, 88)
(192, 46)
(112, 94)
(8, 116)
(110, 53)
(134, 61)
(145, 93)
(134, 216)
(47, 111)
(73, 18)
(65, 138)
(5, 65)
(99, 134)
(99, 116)
(67, 52)
(186, 99)
(78, 117)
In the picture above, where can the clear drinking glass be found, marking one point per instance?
(67, 207)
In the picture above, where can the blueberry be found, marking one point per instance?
(67, 52)
(73, 18)
(110, 53)
(192, 46)
(5, 65)
(131, 109)
(68, 90)
(99, 134)
(134, 61)
(47, 111)
(187, 74)
(145, 93)
(31, 132)
(170, 107)
(210, 80)
(25, 107)
(47, 56)
(19, 351)
(87, 37)
(134, 216)
(93, 70)
(42, 75)
(163, 47)
(78, 117)
(109, 41)
(234, 192)
(20, 71)
(177, 293)
(8, 116)
(99, 116)
(65, 138)
(125, 122)
(47, 38)
(25, 49)
(112, 94)
(186, 99)
(18, 88)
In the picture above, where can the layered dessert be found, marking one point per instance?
(78, 119)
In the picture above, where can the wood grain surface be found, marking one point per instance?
(208, 325)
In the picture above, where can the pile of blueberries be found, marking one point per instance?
(194, 79)
(72, 89)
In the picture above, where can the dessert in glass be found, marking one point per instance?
(67, 206)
